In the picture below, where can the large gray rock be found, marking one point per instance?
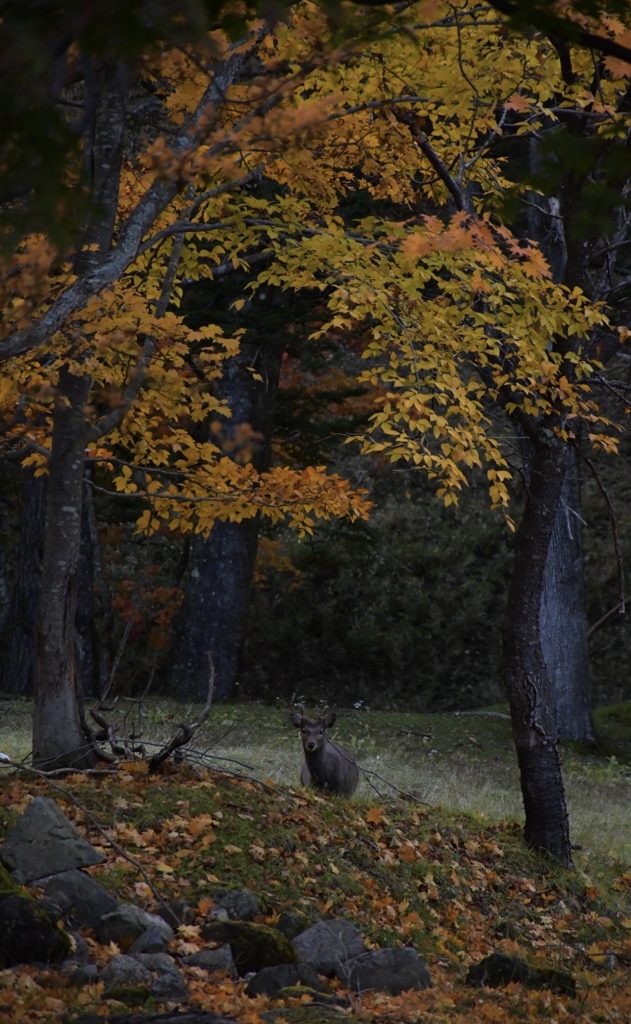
(79, 897)
(328, 944)
(126, 924)
(44, 843)
(386, 970)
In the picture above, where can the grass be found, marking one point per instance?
(453, 879)
(464, 762)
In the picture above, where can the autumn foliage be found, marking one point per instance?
(454, 890)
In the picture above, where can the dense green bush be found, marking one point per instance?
(404, 610)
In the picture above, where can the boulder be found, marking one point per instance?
(151, 941)
(498, 969)
(124, 978)
(328, 944)
(78, 896)
(271, 980)
(386, 970)
(45, 843)
(254, 946)
(240, 904)
(126, 924)
(29, 934)
(212, 960)
(167, 983)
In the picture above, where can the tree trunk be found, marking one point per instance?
(18, 634)
(221, 565)
(59, 733)
(563, 623)
(215, 603)
(59, 738)
(526, 675)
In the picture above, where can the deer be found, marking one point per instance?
(327, 765)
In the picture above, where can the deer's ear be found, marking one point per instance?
(329, 720)
(295, 719)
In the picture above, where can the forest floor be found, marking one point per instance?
(428, 853)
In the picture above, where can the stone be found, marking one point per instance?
(167, 983)
(327, 944)
(78, 896)
(151, 941)
(271, 980)
(292, 923)
(44, 843)
(124, 974)
(126, 924)
(85, 974)
(254, 946)
(240, 904)
(212, 960)
(498, 969)
(28, 933)
(386, 970)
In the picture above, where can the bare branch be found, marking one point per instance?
(186, 732)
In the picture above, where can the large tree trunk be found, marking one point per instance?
(563, 623)
(215, 603)
(59, 734)
(221, 566)
(59, 738)
(526, 675)
(18, 634)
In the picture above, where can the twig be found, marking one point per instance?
(408, 796)
(603, 619)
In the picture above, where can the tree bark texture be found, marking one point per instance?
(221, 566)
(18, 634)
(563, 623)
(526, 675)
(59, 734)
(59, 739)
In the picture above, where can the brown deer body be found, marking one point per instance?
(327, 765)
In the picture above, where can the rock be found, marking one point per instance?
(124, 977)
(327, 944)
(86, 974)
(271, 980)
(151, 941)
(386, 970)
(44, 843)
(212, 960)
(498, 969)
(80, 954)
(126, 924)
(167, 984)
(28, 933)
(292, 923)
(240, 904)
(78, 896)
(254, 946)
(180, 910)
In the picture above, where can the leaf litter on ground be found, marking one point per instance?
(454, 887)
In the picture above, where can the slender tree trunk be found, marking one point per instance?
(59, 738)
(526, 675)
(18, 634)
(563, 623)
